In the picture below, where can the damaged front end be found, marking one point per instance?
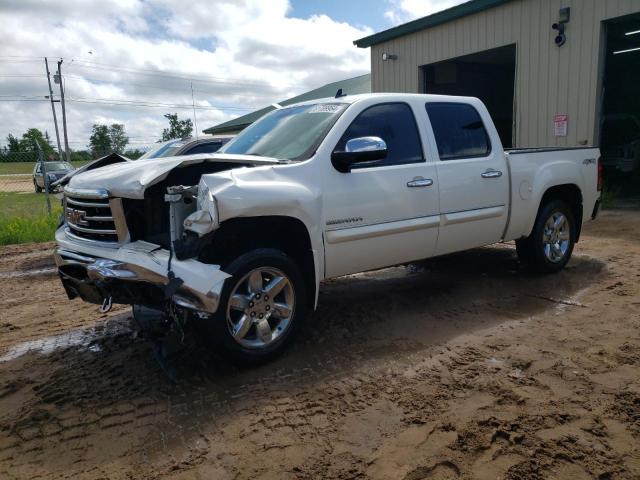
(100, 258)
(142, 274)
(141, 247)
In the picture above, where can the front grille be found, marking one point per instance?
(89, 215)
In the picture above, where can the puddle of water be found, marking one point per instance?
(28, 273)
(85, 339)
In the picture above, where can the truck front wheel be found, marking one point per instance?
(261, 306)
(549, 247)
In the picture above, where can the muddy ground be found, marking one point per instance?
(464, 367)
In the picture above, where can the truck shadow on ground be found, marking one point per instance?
(363, 321)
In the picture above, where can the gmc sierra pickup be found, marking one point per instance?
(237, 242)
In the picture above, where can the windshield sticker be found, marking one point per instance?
(325, 108)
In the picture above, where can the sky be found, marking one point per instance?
(132, 61)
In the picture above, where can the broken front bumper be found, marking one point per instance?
(136, 273)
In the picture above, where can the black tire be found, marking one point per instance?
(531, 250)
(36, 187)
(219, 324)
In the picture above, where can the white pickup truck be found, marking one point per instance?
(239, 241)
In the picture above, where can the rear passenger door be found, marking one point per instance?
(383, 212)
(473, 178)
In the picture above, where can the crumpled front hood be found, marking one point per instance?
(131, 179)
(100, 162)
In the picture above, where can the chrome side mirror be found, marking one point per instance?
(359, 150)
(366, 144)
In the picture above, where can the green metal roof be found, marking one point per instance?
(350, 86)
(453, 13)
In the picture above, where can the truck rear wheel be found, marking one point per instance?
(261, 306)
(549, 247)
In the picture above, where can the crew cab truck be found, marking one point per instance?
(237, 242)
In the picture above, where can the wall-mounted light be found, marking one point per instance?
(563, 17)
(389, 56)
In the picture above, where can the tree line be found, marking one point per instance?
(104, 139)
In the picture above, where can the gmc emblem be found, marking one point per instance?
(77, 217)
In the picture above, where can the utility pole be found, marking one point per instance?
(64, 114)
(53, 108)
(45, 176)
(193, 103)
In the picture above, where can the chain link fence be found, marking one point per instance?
(16, 171)
(19, 171)
(30, 207)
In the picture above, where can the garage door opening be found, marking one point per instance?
(620, 118)
(488, 75)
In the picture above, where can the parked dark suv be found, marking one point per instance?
(55, 170)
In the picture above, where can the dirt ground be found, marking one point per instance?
(16, 183)
(463, 367)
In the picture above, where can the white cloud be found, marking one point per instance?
(401, 11)
(245, 54)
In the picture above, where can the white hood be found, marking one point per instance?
(131, 179)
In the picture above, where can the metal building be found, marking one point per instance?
(552, 73)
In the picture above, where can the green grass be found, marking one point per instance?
(7, 168)
(24, 218)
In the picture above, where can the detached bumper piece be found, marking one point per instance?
(94, 279)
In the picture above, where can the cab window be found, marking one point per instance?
(458, 130)
(395, 124)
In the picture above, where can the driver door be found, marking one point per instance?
(384, 212)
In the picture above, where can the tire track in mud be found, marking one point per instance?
(435, 374)
(38, 272)
(92, 384)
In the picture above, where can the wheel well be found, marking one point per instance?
(239, 235)
(570, 194)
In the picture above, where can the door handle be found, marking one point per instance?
(491, 174)
(420, 182)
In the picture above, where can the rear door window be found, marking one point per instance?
(458, 130)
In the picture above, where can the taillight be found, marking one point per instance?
(600, 174)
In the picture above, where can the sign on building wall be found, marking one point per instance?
(560, 124)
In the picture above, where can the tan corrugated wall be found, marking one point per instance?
(549, 80)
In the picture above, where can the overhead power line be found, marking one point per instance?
(22, 75)
(124, 103)
(168, 74)
(149, 103)
(184, 89)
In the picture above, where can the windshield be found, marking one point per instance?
(52, 166)
(291, 133)
(167, 149)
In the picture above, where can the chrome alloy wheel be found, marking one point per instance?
(260, 307)
(556, 237)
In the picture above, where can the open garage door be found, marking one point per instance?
(488, 75)
(620, 117)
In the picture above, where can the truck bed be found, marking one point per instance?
(534, 170)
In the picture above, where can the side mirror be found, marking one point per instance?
(359, 150)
